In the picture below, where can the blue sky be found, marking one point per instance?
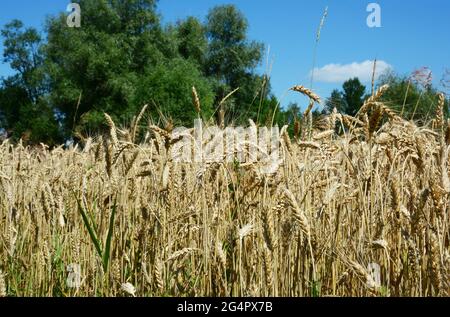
(413, 34)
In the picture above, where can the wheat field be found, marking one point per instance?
(358, 206)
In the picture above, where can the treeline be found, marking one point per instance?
(122, 58)
(413, 98)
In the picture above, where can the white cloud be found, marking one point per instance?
(338, 73)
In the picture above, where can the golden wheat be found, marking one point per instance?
(376, 193)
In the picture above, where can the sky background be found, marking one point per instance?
(414, 34)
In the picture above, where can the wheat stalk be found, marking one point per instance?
(181, 253)
(307, 92)
(112, 129)
(196, 100)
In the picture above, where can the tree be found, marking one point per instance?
(12, 97)
(23, 53)
(122, 58)
(293, 112)
(191, 40)
(231, 57)
(348, 101)
(409, 99)
(336, 100)
(96, 68)
(353, 95)
(168, 88)
(21, 118)
(24, 109)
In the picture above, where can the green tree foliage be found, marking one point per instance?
(265, 112)
(24, 110)
(232, 58)
(22, 52)
(122, 58)
(293, 112)
(353, 95)
(230, 55)
(168, 89)
(11, 98)
(104, 60)
(192, 42)
(349, 100)
(411, 100)
(336, 100)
